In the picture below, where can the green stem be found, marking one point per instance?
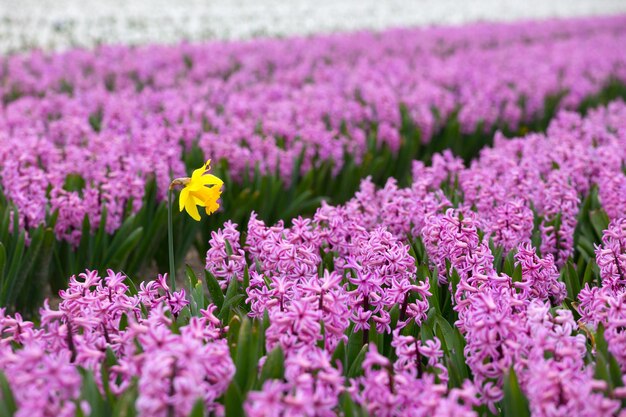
(170, 240)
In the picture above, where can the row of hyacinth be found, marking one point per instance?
(369, 273)
(85, 130)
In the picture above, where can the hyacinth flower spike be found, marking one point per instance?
(202, 189)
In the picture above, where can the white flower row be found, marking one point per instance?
(59, 24)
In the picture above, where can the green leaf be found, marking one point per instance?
(3, 261)
(588, 275)
(601, 343)
(231, 298)
(606, 367)
(585, 247)
(191, 276)
(74, 182)
(233, 334)
(101, 237)
(615, 372)
(83, 250)
(196, 294)
(571, 280)
(246, 278)
(198, 409)
(8, 406)
(233, 401)
(109, 361)
(245, 357)
(274, 366)
(497, 255)
(515, 402)
(427, 331)
(230, 302)
(517, 274)
(433, 300)
(355, 344)
(123, 251)
(453, 344)
(217, 296)
(574, 277)
(599, 221)
(339, 355)
(123, 322)
(509, 264)
(602, 369)
(349, 407)
(31, 258)
(125, 404)
(199, 301)
(91, 394)
(16, 261)
(356, 366)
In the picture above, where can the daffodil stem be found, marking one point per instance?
(170, 240)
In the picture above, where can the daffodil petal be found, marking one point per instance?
(191, 208)
(212, 204)
(210, 179)
(195, 186)
(182, 199)
(212, 208)
(199, 202)
(199, 184)
(202, 195)
(197, 173)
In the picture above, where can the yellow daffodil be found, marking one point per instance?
(202, 189)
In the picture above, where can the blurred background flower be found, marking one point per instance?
(59, 24)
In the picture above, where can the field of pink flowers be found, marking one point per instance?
(415, 222)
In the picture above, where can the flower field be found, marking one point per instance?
(62, 24)
(413, 222)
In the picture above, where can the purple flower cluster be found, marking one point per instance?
(99, 315)
(311, 388)
(295, 287)
(371, 303)
(225, 258)
(37, 165)
(396, 389)
(606, 304)
(611, 256)
(288, 286)
(560, 212)
(384, 274)
(490, 324)
(552, 368)
(116, 117)
(452, 238)
(353, 272)
(44, 383)
(540, 277)
(506, 322)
